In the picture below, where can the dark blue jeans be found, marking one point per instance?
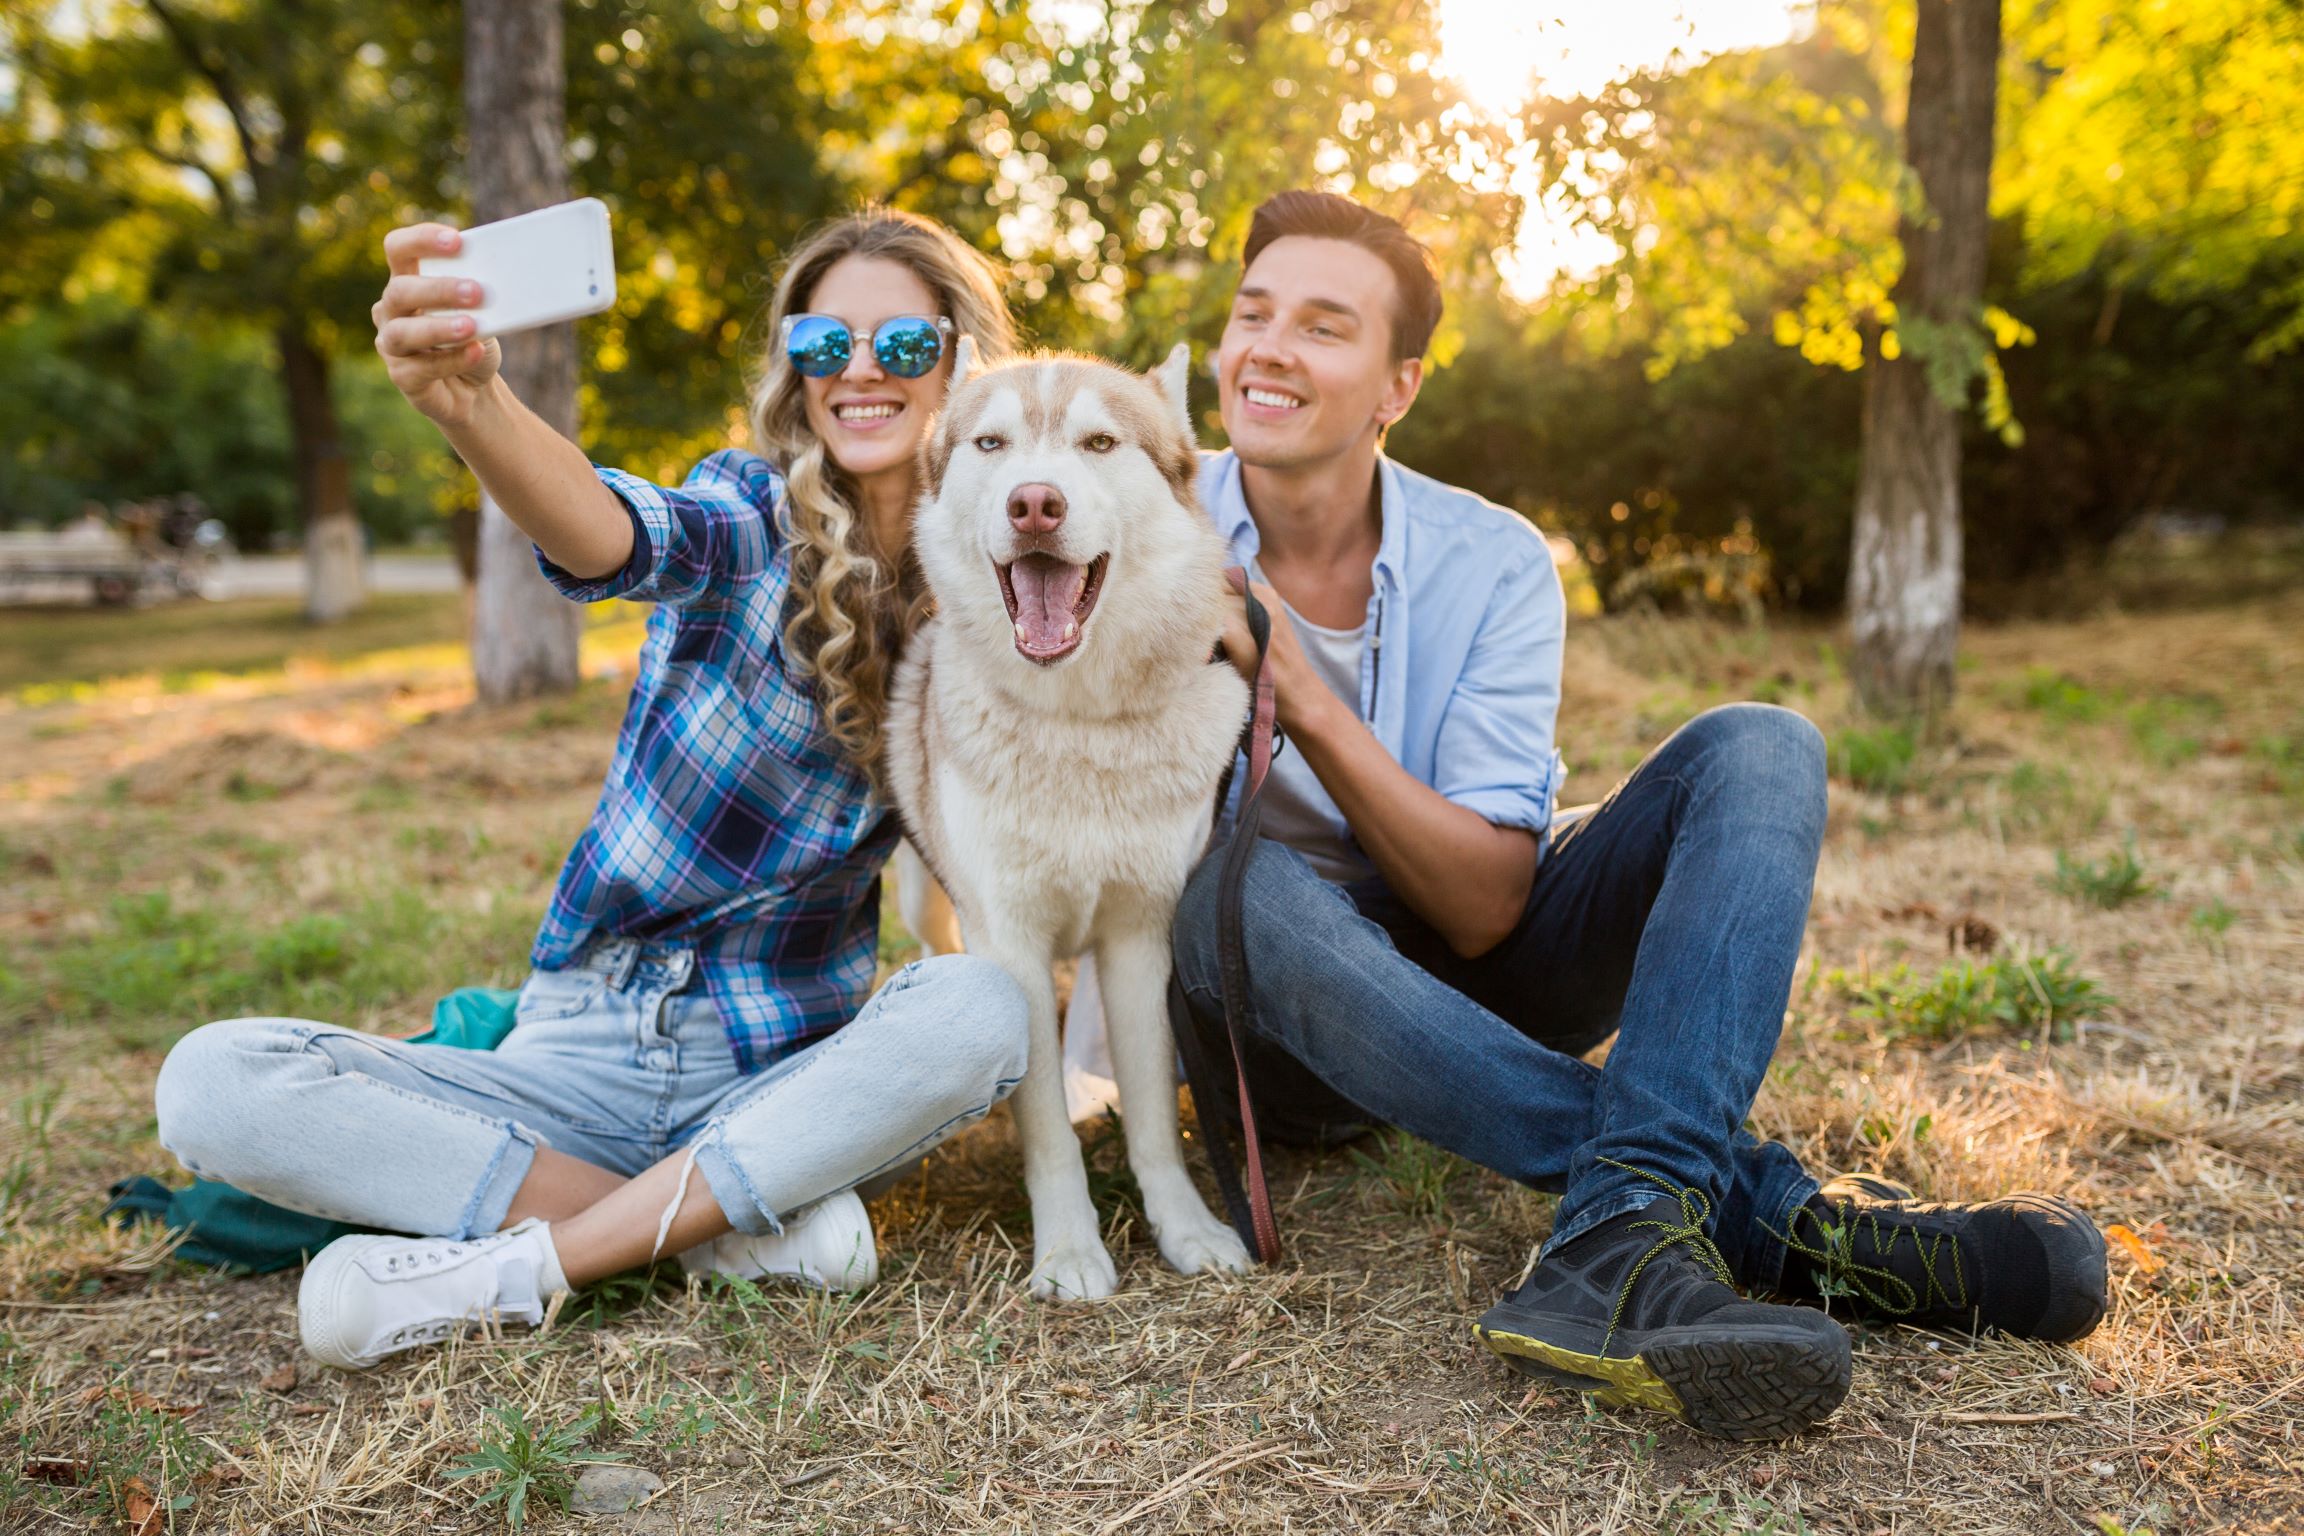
(1670, 917)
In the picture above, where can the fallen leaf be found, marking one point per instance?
(307, 1410)
(281, 1380)
(223, 1474)
(143, 1512)
(61, 1471)
(1239, 1360)
(2138, 1249)
(2103, 1386)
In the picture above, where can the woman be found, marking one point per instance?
(690, 1072)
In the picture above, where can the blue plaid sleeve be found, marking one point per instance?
(715, 532)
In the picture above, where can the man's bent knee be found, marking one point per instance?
(1278, 885)
(1764, 748)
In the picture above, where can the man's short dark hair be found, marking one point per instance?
(1325, 216)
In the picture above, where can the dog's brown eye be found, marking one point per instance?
(991, 442)
(1100, 442)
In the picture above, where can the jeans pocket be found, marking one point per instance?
(552, 995)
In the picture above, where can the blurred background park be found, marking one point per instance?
(1855, 355)
(1668, 267)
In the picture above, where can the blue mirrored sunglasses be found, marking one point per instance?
(907, 346)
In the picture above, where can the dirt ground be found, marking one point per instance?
(345, 834)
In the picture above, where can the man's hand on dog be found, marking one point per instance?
(1296, 689)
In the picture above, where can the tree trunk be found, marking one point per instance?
(1904, 578)
(524, 634)
(334, 580)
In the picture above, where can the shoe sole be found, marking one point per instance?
(1750, 1387)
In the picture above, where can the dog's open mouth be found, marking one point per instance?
(1049, 600)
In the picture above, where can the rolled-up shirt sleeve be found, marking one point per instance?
(1496, 753)
(716, 530)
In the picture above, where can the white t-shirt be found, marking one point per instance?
(1297, 809)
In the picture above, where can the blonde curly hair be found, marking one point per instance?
(853, 605)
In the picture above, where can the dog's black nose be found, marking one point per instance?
(1036, 508)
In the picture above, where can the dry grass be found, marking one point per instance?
(1341, 1391)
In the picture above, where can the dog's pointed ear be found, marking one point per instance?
(1175, 378)
(965, 363)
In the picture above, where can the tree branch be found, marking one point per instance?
(220, 81)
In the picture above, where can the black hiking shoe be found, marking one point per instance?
(2028, 1265)
(1639, 1312)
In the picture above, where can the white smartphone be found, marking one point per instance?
(537, 269)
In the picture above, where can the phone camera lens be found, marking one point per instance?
(594, 290)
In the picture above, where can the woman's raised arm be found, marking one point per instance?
(543, 482)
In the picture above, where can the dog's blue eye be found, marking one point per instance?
(990, 443)
(1100, 442)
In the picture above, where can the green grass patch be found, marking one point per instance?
(2060, 697)
(49, 653)
(2170, 729)
(2281, 757)
(157, 966)
(521, 1462)
(1415, 1175)
(2014, 992)
(2212, 920)
(2108, 883)
(1877, 758)
(2050, 799)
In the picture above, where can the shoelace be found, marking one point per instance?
(1840, 1273)
(1695, 1213)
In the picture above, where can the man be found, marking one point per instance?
(1430, 950)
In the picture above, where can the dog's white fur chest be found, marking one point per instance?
(1074, 795)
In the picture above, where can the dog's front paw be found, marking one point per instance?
(1195, 1241)
(1074, 1271)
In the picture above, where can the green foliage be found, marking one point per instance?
(522, 1461)
(1415, 1174)
(2110, 882)
(1877, 758)
(1112, 1185)
(157, 967)
(2061, 697)
(2281, 757)
(682, 1420)
(2212, 920)
(1750, 1514)
(1690, 406)
(2017, 992)
(2051, 798)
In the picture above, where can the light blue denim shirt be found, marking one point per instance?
(1461, 676)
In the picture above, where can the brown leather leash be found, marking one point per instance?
(1251, 1209)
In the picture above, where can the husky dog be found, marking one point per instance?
(1056, 735)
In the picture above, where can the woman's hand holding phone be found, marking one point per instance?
(542, 481)
(432, 358)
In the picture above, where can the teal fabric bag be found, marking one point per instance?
(235, 1231)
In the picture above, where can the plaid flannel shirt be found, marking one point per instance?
(729, 820)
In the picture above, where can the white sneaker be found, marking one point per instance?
(367, 1297)
(829, 1246)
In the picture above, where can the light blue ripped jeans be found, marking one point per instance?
(615, 1061)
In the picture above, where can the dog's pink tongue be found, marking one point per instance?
(1047, 591)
